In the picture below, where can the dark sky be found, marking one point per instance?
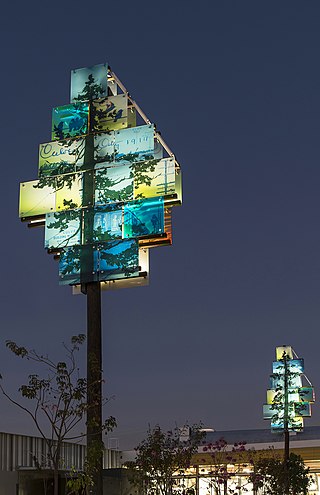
(234, 88)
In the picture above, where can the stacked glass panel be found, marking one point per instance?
(105, 189)
(288, 401)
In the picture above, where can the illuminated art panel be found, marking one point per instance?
(109, 114)
(293, 366)
(107, 223)
(143, 217)
(134, 144)
(69, 192)
(307, 394)
(277, 381)
(113, 184)
(70, 121)
(104, 261)
(63, 229)
(119, 259)
(61, 157)
(285, 348)
(303, 409)
(154, 178)
(104, 149)
(89, 83)
(36, 199)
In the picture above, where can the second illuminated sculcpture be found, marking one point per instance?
(105, 189)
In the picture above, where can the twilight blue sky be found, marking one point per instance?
(234, 88)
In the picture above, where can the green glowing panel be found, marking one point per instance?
(107, 223)
(303, 409)
(134, 144)
(119, 259)
(36, 199)
(70, 121)
(143, 218)
(103, 149)
(69, 191)
(89, 83)
(307, 394)
(113, 184)
(61, 157)
(154, 178)
(63, 229)
(109, 113)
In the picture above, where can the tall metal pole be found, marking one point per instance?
(286, 422)
(94, 380)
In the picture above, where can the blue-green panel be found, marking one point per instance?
(70, 121)
(119, 259)
(143, 217)
(89, 82)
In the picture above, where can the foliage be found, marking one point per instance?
(222, 455)
(57, 401)
(272, 476)
(159, 456)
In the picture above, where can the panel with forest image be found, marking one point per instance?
(69, 191)
(144, 217)
(154, 178)
(113, 184)
(70, 121)
(63, 229)
(89, 82)
(109, 114)
(61, 157)
(78, 264)
(119, 259)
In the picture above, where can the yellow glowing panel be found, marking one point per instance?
(270, 396)
(69, 194)
(280, 350)
(35, 200)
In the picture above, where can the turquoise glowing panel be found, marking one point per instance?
(109, 114)
(107, 223)
(70, 121)
(293, 366)
(62, 229)
(78, 264)
(134, 144)
(89, 82)
(61, 157)
(307, 394)
(113, 184)
(294, 424)
(119, 259)
(303, 409)
(103, 149)
(154, 178)
(143, 218)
